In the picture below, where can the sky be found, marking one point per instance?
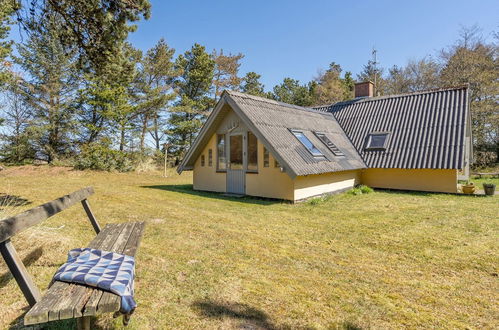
(290, 38)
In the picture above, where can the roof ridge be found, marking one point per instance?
(270, 101)
(384, 97)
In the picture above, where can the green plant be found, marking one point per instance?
(361, 189)
(99, 156)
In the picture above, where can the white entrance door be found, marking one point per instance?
(235, 171)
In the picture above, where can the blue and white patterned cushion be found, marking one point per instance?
(105, 270)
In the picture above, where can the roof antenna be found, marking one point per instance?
(375, 63)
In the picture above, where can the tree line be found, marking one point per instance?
(74, 90)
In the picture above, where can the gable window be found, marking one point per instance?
(331, 146)
(276, 163)
(202, 160)
(307, 143)
(252, 152)
(377, 141)
(221, 158)
(210, 157)
(266, 156)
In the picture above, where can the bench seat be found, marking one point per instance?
(65, 300)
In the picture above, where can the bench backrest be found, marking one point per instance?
(13, 225)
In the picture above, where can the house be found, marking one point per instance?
(260, 147)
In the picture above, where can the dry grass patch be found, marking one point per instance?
(379, 260)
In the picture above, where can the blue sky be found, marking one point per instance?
(288, 38)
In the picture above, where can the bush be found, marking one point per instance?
(97, 156)
(484, 159)
(361, 189)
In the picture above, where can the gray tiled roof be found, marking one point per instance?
(427, 129)
(273, 120)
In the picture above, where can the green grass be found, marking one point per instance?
(378, 260)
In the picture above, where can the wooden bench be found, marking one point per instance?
(64, 300)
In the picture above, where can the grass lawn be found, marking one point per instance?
(381, 260)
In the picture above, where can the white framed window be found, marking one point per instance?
(307, 143)
(377, 141)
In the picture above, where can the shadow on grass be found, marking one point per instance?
(18, 324)
(7, 200)
(188, 189)
(251, 317)
(27, 261)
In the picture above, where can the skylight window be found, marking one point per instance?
(307, 143)
(377, 141)
(331, 146)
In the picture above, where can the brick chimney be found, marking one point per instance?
(364, 89)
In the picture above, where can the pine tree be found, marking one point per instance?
(7, 9)
(193, 87)
(225, 73)
(331, 88)
(49, 87)
(156, 77)
(290, 91)
(371, 72)
(96, 28)
(16, 146)
(123, 80)
(251, 84)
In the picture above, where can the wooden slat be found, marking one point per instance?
(40, 312)
(13, 225)
(96, 304)
(130, 249)
(133, 243)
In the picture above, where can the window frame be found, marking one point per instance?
(336, 153)
(210, 157)
(316, 156)
(255, 170)
(202, 160)
(266, 157)
(369, 139)
(218, 169)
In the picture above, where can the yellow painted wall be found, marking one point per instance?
(314, 185)
(270, 182)
(206, 177)
(411, 179)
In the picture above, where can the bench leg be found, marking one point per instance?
(19, 272)
(83, 323)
